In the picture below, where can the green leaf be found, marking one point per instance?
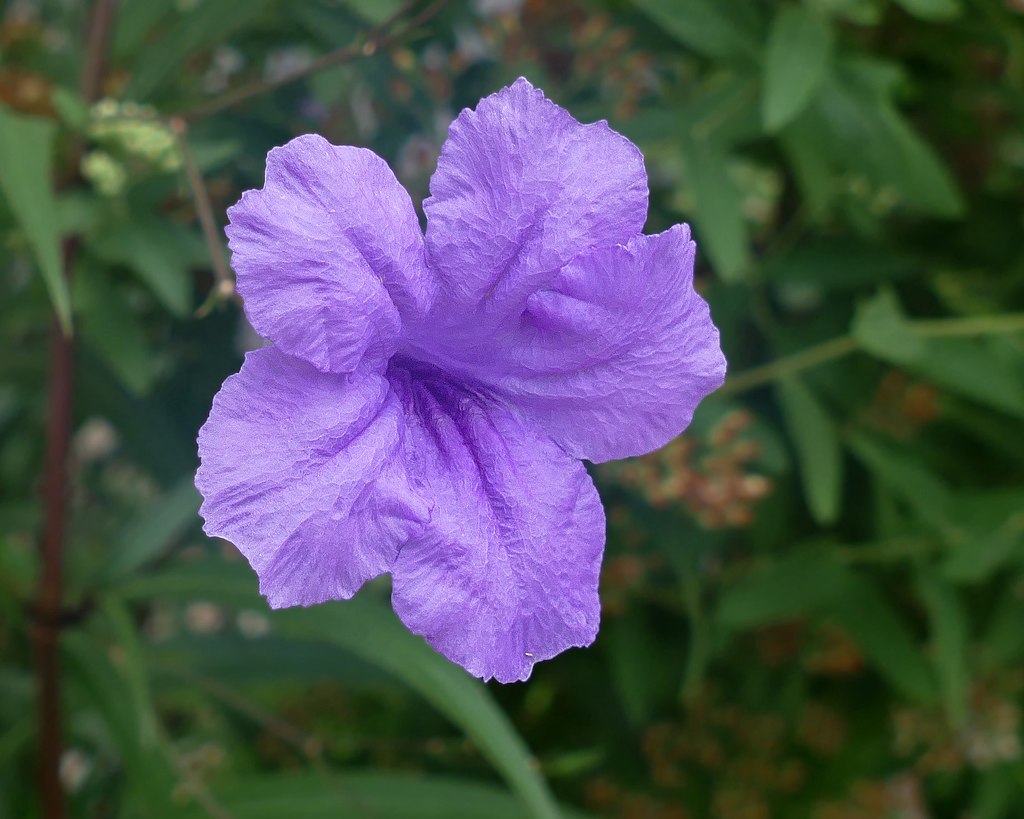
(817, 447)
(995, 536)
(916, 170)
(721, 227)
(884, 637)
(160, 253)
(908, 478)
(1001, 647)
(136, 22)
(26, 180)
(861, 12)
(15, 737)
(882, 330)
(997, 792)
(234, 662)
(983, 369)
(197, 28)
(708, 27)
(106, 691)
(133, 669)
(374, 12)
(949, 633)
(112, 329)
(723, 113)
(793, 586)
(381, 795)
(869, 135)
(19, 569)
(370, 631)
(210, 154)
(987, 370)
(633, 656)
(71, 108)
(811, 583)
(806, 152)
(798, 55)
(932, 10)
(163, 521)
(837, 265)
(77, 211)
(17, 711)
(322, 24)
(720, 111)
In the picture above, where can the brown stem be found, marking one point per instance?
(46, 628)
(50, 592)
(97, 44)
(377, 38)
(224, 283)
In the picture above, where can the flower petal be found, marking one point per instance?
(520, 188)
(302, 471)
(613, 357)
(329, 255)
(506, 572)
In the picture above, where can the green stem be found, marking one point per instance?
(788, 365)
(386, 34)
(844, 345)
(970, 326)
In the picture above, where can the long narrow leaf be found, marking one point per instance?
(367, 628)
(26, 180)
(796, 63)
(817, 447)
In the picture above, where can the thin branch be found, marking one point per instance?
(836, 348)
(50, 591)
(225, 284)
(97, 44)
(789, 365)
(970, 326)
(375, 39)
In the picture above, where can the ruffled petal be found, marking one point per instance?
(506, 571)
(329, 255)
(613, 357)
(521, 187)
(303, 472)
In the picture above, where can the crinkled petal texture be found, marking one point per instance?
(426, 403)
(329, 255)
(521, 187)
(303, 471)
(548, 293)
(505, 573)
(612, 358)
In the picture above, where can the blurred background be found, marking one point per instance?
(813, 600)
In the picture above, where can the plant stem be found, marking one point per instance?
(788, 365)
(377, 38)
(969, 326)
(49, 597)
(844, 345)
(97, 44)
(224, 284)
(46, 629)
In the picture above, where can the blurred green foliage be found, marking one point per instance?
(813, 600)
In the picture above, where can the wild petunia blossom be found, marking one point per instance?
(425, 402)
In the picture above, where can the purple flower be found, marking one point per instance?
(425, 402)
